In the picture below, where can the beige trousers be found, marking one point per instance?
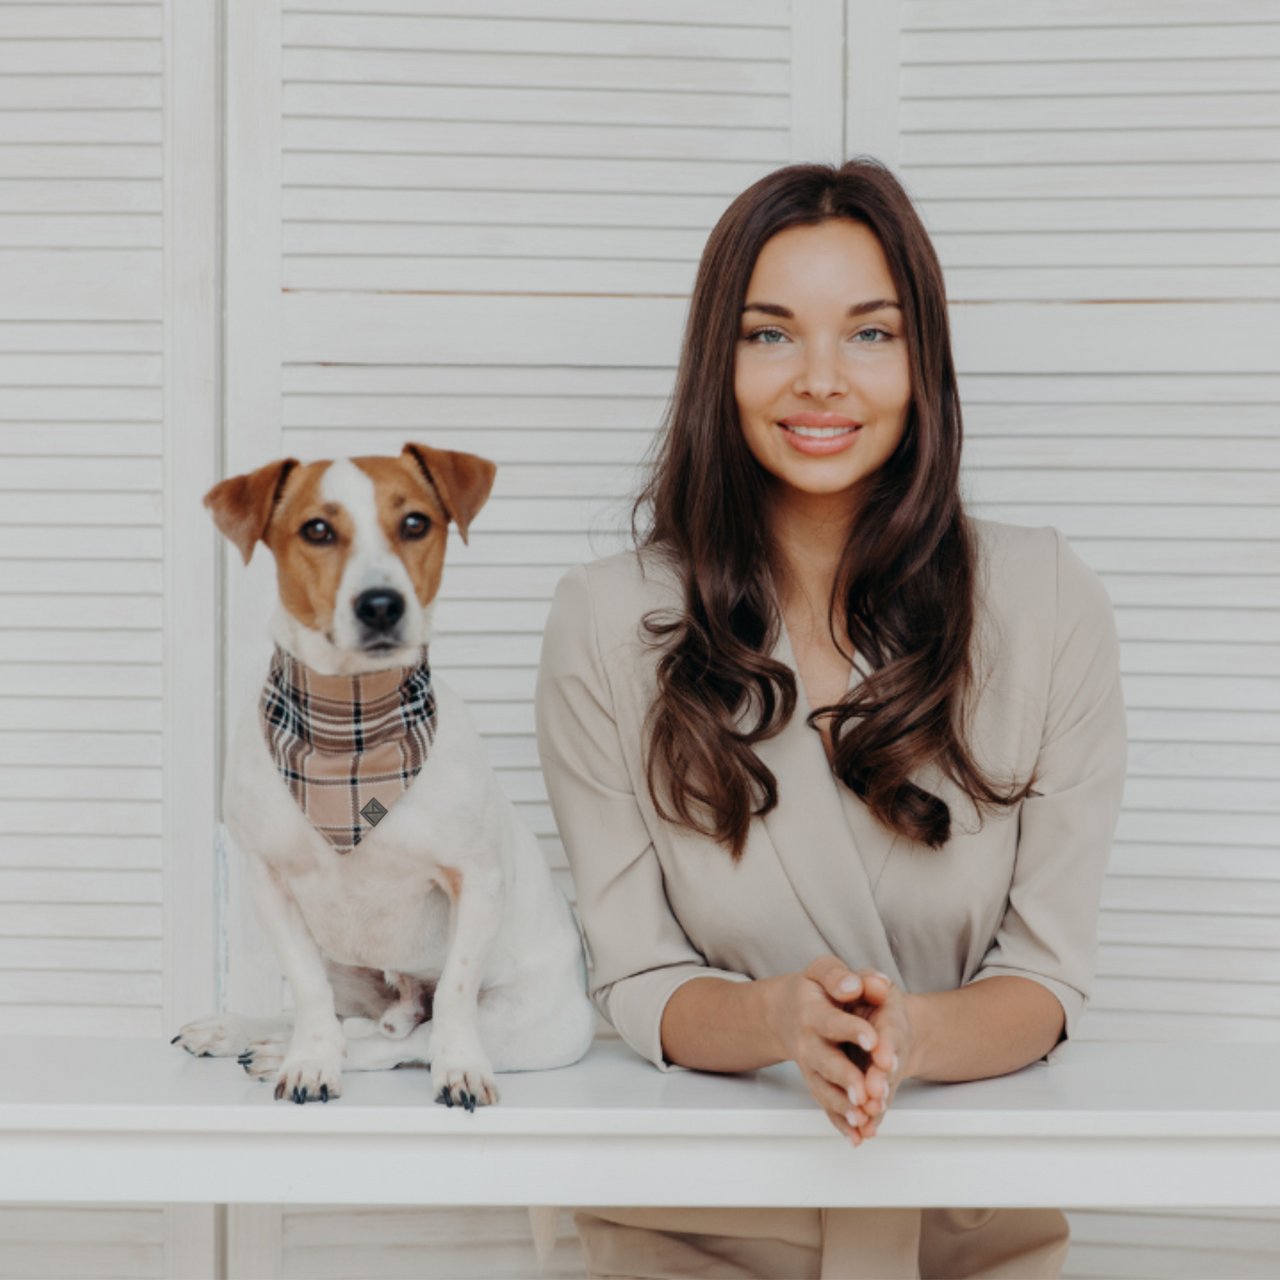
(823, 1244)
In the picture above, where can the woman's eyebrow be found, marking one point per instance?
(858, 308)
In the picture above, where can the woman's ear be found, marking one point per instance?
(242, 505)
(462, 480)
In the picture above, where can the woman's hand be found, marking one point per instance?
(812, 1014)
(890, 1015)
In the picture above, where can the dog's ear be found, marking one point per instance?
(242, 506)
(462, 480)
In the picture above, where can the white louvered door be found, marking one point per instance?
(1103, 184)
(487, 219)
(108, 199)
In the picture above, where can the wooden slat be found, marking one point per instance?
(68, 782)
(343, 204)
(583, 141)
(94, 852)
(1030, 46)
(18, 647)
(1118, 284)
(1098, 146)
(520, 173)
(1105, 78)
(1170, 725)
(94, 1262)
(80, 817)
(60, 128)
(1040, 181)
(62, 195)
(1204, 212)
(70, 988)
(46, 508)
(66, 231)
(489, 275)
(742, 13)
(106, 577)
(1232, 999)
(528, 69)
(73, 715)
(1208, 862)
(509, 35)
(365, 241)
(82, 680)
(80, 93)
(946, 15)
(1201, 111)
(62, 920)
(547, 104)
(66, 57)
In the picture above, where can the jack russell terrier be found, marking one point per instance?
(409, 906)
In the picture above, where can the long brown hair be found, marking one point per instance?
(905, 585)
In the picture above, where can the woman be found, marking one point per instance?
(832, 763)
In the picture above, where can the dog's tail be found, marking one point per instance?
(545, 1221)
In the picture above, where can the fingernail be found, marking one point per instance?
(853, 1095)
(866, 1041)
(895, 1064)
(852, 1118)
(884, 977)
(849, 984)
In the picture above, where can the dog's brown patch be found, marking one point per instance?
(401, 489)
(309, 574)
(451, 881)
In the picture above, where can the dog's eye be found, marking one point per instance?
(415, 525)
(318, 532)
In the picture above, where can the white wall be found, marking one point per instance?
(475, 222)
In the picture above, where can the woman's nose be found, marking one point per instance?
(822, 375)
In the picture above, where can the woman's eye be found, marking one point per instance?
(768, 337)
(872, 335)
(318, 532)
(415, 525)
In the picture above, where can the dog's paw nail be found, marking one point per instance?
(324, 1093)
(445, 1097)
(280, 1091)
(176, 1038)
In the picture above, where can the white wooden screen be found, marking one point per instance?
(1100, 160)
(108, 357)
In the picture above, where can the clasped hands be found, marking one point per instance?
(815, 1012)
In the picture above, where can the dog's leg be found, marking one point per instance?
(461, 1074)
(312, 1067)
(227, 1035)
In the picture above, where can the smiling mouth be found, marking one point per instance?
(821, 433)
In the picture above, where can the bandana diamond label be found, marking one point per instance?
(373, 813)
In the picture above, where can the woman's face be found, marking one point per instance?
(821, 376)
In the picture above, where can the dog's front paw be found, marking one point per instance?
(221, 1036)
(306, 1072)
(463, 1078)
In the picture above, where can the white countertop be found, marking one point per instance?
(136, 1120)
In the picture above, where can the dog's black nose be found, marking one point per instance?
(380, 608)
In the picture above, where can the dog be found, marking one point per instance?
(409, 906)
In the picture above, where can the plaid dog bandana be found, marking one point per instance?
(347, 746)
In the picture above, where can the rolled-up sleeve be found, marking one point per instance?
(639, 953)
(1050, 928)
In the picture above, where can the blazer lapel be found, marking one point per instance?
(813, 832)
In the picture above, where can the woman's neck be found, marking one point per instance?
(808, 539)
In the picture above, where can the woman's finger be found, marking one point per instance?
(831, 1098)
(839, 1027)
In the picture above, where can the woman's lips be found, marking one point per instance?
(819, 433)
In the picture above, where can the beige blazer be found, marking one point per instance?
(1016, 894)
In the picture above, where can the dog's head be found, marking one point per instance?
(358, 543)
